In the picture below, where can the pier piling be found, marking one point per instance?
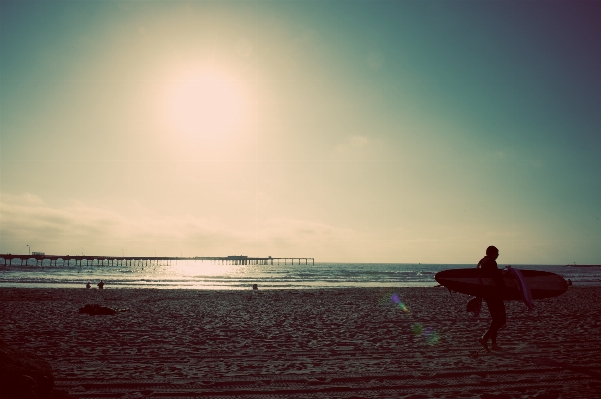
(144, 260)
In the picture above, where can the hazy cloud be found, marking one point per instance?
(80, 228)
(354, 145)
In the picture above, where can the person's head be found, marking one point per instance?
(492, 252)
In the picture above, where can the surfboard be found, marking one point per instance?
(469, 281)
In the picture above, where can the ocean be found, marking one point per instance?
(192, 274)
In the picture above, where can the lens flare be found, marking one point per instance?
(396, 299)
(430, 335)
(417, 329)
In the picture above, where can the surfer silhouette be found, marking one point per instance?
(493, 297)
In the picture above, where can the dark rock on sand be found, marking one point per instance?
(24, 375)
(96, 309)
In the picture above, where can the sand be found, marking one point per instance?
(338, 343)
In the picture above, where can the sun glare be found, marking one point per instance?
(206, 104)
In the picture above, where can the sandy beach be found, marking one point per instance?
(335, 343)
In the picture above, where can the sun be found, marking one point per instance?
(205, 104)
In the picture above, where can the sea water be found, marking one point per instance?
(196, 274)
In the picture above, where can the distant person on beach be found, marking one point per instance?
(493, 297)
(100, 285)
(88, 285)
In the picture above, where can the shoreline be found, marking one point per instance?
(245, 287)
(338, 342)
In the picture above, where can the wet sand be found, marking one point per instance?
(338, 343)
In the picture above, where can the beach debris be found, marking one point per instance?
(96, 309)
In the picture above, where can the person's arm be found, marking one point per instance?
(498, 272)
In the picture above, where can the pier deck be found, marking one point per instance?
(124, 260)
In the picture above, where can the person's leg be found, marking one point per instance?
(489, 332)
(496, 308)
(484, 339)
(499, 320)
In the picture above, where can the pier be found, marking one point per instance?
(78, 260)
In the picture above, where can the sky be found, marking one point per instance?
(348, 131)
